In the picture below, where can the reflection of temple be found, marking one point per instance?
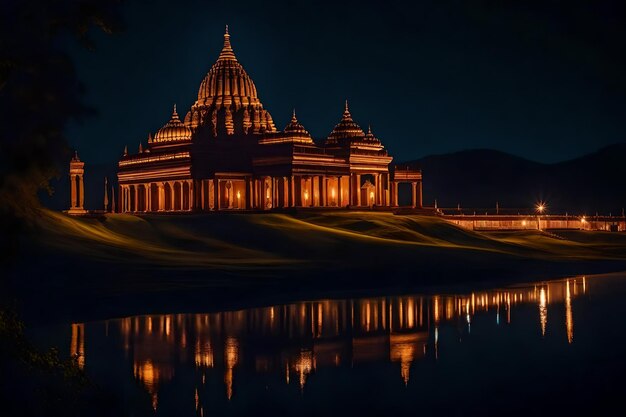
(227, 154)
(295, 340)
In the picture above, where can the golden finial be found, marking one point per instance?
(293, 116)
(369, 129)
(125, 150)
(140, 148)
(227, 50)
(347, 110)
(174, 108)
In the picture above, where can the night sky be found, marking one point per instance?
(544, 80)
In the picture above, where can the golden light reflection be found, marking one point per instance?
(325, 333)
(204, 355)
(77, 345)
(304, 365)
(569, 320)
(231, 359)
(404, 348)
(543, 310)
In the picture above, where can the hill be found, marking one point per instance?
(178, 261)
(480, 178)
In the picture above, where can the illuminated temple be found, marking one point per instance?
(226, 154)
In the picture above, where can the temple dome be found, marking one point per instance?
(173, 131)
(294, 132)
(295, 128)
(227, 99)
(345, 129)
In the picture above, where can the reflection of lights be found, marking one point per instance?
(231, 358)
(77, 346)
(304, 365)
(569, 319)
(543, 310)
(436, 308)
(204, 355)
(402, 349)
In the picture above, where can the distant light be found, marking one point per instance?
(541, 207)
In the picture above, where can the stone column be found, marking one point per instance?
(73, 198)
(191, 195)
(339, 190)
(202, 203)
(395, 193)
(161, 196)
(136, 205)
(216, 194)
(413, 194)
(81, 196)
(377, 189)
(285, 192)
(292, 194)
(312, 191)
(419, 194)
(172, 196)
(148, 194)
(323, 189)
(358, 189)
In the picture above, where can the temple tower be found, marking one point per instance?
(77, 196)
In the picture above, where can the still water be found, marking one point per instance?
(554, 347)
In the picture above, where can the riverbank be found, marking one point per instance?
(123, 264)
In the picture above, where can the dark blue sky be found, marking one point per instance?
(544, 80)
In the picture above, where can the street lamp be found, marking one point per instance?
(540, 207)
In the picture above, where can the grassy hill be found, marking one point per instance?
(121, 262)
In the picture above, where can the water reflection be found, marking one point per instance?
(296, 340)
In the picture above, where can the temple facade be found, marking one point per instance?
(226, 154)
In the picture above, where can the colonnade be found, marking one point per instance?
(264, 193)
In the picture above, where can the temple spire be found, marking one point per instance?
(293, 117)
(346, 113)
(227, 50)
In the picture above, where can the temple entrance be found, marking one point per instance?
(232, 194)
(368, 194)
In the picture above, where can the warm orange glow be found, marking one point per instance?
(540, 207)
(569, 318)
(543, 310)
(231, 359)
(304, 365)
(77, 346)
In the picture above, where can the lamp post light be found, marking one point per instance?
(540, 208)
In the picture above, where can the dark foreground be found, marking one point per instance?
(545, 348)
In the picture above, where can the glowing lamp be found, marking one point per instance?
(306, 195)
(541, 207)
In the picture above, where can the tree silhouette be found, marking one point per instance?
(39, 94)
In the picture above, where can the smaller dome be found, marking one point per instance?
(369, 137)
(295, 129)
(173, 131)
(346, 128)
(294, 132)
